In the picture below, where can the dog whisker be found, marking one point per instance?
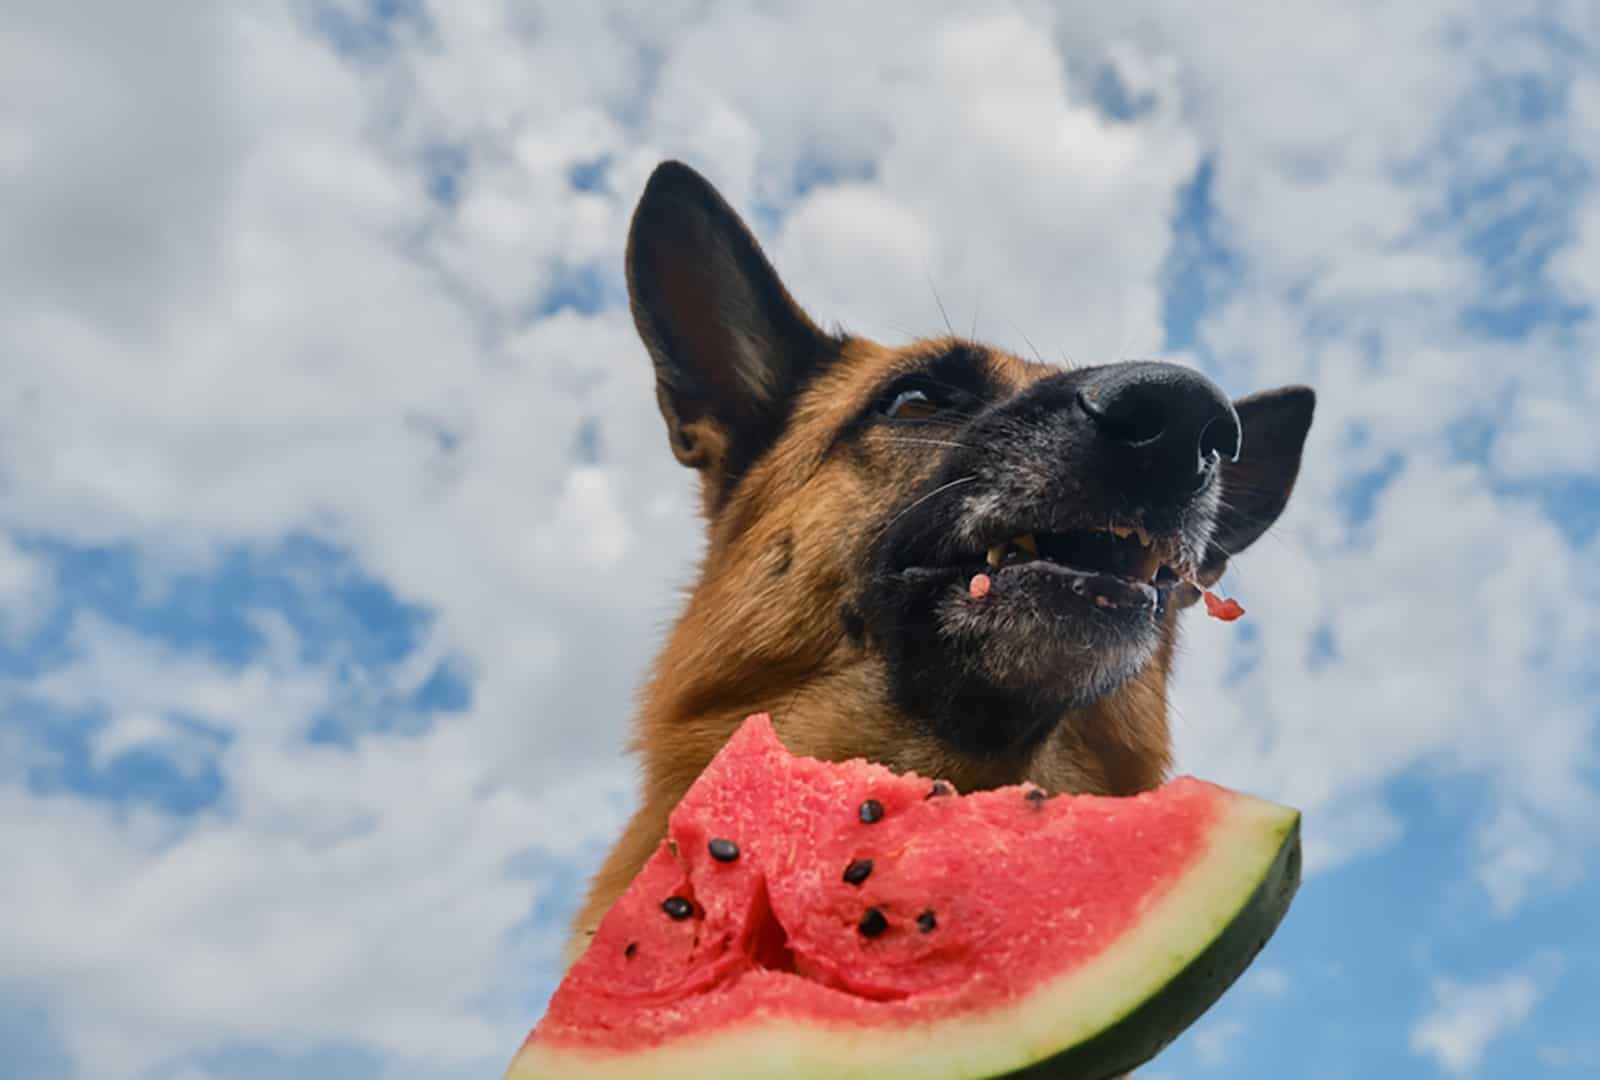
(908, 441)
(943, 314)
(942, 488)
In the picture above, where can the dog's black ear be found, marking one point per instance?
(1256, 488)
(729, 344)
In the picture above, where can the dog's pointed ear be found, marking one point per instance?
(729, 344)
(1256, 487)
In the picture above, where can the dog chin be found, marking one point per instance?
(1073, 658)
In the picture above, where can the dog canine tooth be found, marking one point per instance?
(1122, 532)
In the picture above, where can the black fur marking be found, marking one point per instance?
(957, 374)
(1031, 463)
(969, 713)
(855, 627)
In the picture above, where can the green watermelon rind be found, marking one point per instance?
(1109, 1015)
(1197, 984)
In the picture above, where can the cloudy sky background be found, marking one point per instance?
(337, 523)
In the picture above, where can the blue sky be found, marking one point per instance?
(337, 525)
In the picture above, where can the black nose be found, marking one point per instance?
(1169, 419)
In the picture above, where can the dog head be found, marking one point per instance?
(853, 492)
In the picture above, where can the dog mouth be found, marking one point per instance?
(1118, 565)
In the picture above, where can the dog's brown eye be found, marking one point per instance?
(911, 405)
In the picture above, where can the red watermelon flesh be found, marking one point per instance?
(865, 923)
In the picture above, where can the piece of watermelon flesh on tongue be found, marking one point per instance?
(1021, 889)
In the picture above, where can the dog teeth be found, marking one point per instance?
(1122, 532)
(1024, 544)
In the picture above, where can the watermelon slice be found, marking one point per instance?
(1217, 607)
(840, 920)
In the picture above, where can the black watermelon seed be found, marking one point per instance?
(723, 850)
(926, 921)
(677, 907)
(1036, 796)
(857, 871)
(872, 923)
(871, 812)
(672, 846)
(632, 948)
(939, 788)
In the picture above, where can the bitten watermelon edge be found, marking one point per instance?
(806, 918)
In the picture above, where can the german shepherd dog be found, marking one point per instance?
(853, 491)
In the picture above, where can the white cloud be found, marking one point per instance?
(1466, 1016)
(293, 908)
(115, 205)
(1271, 982)
(231, 311)
(1581, 1056)
(1439, 659)
(26, 590)
(1214, 1042)
(1453, 647)
(1518, 856)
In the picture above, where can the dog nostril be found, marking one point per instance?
(1166, 426)
(1134, 417)
(1220, 438)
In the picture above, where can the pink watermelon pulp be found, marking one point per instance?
(839, 920)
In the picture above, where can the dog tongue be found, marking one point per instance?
(979, 588)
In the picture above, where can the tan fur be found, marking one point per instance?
(762, 632)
